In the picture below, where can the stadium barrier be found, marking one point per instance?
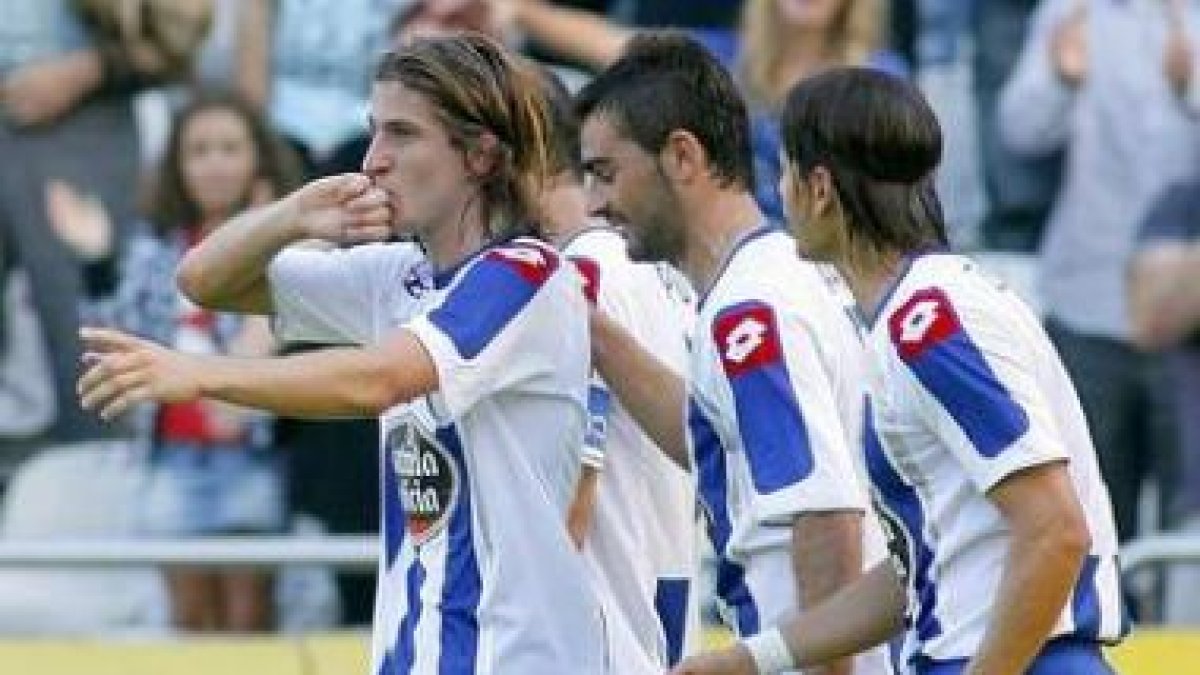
(1149, 651)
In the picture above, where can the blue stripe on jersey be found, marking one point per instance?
(460, 592)
(599, 404)
(406, 648)
(904, 504)
(491, 294)
(671, 603)
(770, 423)
(930, 338)
(392, 512)
(1085, 601)
(713, 490)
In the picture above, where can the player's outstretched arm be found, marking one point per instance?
(1049, 539)
(123, 371)
(652, 393)
(228, 270)
(860, 616)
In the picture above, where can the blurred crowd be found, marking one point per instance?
(130, 129)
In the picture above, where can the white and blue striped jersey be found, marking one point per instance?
(967, 390)
(477, 573)
(642, 540)
(774, 419)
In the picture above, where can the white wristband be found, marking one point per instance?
(770, 652)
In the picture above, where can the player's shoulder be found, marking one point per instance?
(597, 241)
(941, 299)
(523, 259)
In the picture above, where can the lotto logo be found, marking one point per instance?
(747, 338)
(744, 339)
(918, 321)
(925, 320)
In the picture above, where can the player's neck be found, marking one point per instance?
(454, 241)
(870, 275)
(714, 229)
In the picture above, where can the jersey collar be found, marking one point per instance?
(764, 228)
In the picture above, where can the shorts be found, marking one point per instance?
(1058, 657)
(212, 490)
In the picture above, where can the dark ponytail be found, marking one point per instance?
(880, 142)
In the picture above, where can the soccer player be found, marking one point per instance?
(634, 511)
(1005, 547)
(482, 392)
(773, 397)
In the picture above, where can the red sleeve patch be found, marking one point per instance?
(590, 271)
(927, 319)
(531, 262)
(747, 338)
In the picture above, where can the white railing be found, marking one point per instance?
(342, 551)
(360, 552)
(1158, 549)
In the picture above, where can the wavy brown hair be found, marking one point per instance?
(857, 33)
(478, 89)
(168, 204)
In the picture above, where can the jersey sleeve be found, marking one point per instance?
(599, 399)
(974, 383)
(787, 420)
(337, 296)
(490, 333)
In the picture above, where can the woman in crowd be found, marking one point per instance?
(211, 467)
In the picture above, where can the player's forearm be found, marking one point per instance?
(827, 556)
(860, 616)
(652, 393)
(1040, 570)
(227, 270)
(573, 33)
(344, 382)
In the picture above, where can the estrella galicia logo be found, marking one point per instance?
(426, 479)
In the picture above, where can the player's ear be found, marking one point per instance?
(482, 155)
(822, 192)
(683, 157)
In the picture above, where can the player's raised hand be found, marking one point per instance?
(1178, 61)
(80, 220)
(1069, 46)
(123, 371)
(343, 209)
(731, 661)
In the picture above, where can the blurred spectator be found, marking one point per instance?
(1164, 303)
(1020, 189)
(943, 52)
(903, 17)
(212, 471)
(26, 391)
(783, 42)
(779, 43)
(1116, 85)
(318, 66)
(64, 104)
